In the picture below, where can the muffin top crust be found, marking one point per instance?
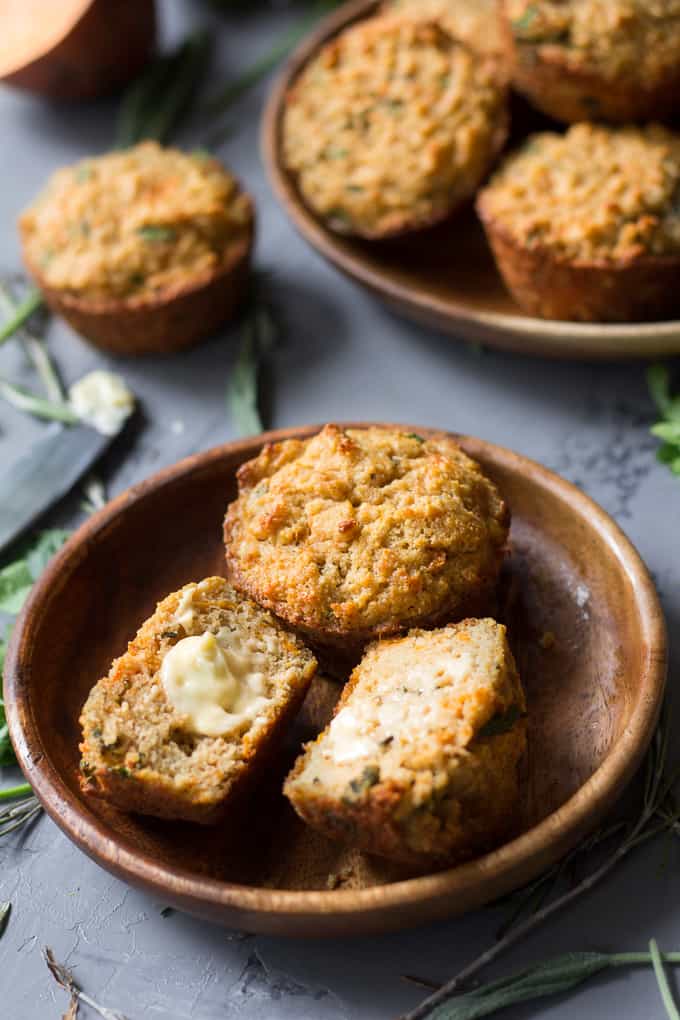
(592, 194)
(616, 38)
(364, 531)
(475, 22)
(133, 223)
(391, 126)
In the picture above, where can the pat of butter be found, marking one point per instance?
(184, 614)
(102, 401)
(215, 683)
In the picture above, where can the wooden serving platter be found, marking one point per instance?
(589, 637)
(445, 277)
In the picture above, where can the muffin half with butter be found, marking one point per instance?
(392, 127)
(357, 534)
(143, 250)
(185, 718)
(586, 226)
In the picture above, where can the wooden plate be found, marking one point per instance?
(445, 277)
(594, 697)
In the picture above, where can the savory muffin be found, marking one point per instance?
(420, 761)
(586, 226)
(475, 22)
(145, 249)
(361, 533)
(576, 60)
(186, 716)
(392, 126)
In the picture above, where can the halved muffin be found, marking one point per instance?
(420, 761)
(588, 60)
(586, 225)
(186, 717)
(356, 534)
(392, 126)
(143, 250)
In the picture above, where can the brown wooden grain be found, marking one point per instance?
(446, 276)
(594, 697)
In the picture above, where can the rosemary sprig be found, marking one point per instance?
(658, 813)
(258, 338)
(64, 978)
(554, 977)
(40, 407)
(155, 104)
(22, 314)
(662, 981)
(20, 814)
(35, 349)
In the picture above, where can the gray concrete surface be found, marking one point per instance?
(342, 356)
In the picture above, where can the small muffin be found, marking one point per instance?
(420, 761)
(586, 226)
(360, 533)
(474, 22)
(186, 717)
(143, 250)
(592, 60)
(392, 127)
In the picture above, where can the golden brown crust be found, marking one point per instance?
(554, 83)
(362, 170)
(174, 319)
(637, 289)
(359, 534)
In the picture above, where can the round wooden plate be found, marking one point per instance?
(444, 277)
(594, 692)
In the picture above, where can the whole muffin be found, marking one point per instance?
(392, 126)
(475, 22)
(615, 60)
(361, 533)
(586, 226)
(146, 249)
(420, 761)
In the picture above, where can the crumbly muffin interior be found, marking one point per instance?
(131, 727)
(131, 224)
(592, 193)
(391, 125)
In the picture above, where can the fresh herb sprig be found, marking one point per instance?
(64, 978)
(157, 103)
(668, 428)
(20, 315)
(257, 340)
(554, 977)
(658, 813)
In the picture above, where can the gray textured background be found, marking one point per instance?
(342, 356)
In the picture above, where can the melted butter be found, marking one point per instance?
(215, 682)
(102, 401)
(184, 614)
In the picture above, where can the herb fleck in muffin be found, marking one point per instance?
(420, 761)
(576, 60)
(475, 22)
(143, 249)
(392, 126)
(360, 533)
(586, 225)
(186, 716)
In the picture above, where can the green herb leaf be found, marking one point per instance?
(157, 234)
(662, 981)
(22, 313)
(258, 338)
(525, 21)
(668, 429)
(16, 580)
(24, 400)
(499, 724)
(5, 910)
(368, 778)
(41, 552)
(414, 435)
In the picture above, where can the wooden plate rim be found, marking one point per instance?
(516, 332)
(513, 863)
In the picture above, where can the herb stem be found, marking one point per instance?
(16, 791)
(24, 400)
(662, 981)
(22, 313)
(37, 353)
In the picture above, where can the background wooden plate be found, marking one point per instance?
(594, 696)
(445, 277)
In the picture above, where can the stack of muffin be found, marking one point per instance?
(396, 123)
